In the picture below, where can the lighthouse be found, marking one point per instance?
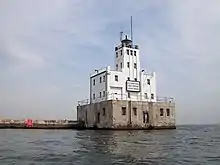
(126, 80)
(124, 96)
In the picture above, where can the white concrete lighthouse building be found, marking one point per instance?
(124, 97)
(126, 81)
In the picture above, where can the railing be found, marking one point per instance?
(128, 46)
(83, 102)
(115, 96)
(165, 99)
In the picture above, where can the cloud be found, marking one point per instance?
(48, 49)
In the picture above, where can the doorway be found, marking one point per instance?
(145, 117)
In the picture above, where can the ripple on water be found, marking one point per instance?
(186, 145)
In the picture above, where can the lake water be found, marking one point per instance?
(185, 145)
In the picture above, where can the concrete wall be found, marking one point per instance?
(133, 118)
(89, 114)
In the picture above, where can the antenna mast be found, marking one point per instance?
(121, 33)
(131, 31)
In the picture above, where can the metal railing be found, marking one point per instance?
(165, 99)
(83, 102)
(127, 46)
(115, 96)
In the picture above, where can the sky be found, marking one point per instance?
(49, 48)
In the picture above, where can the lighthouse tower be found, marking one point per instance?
(124, 96)
(126, 81)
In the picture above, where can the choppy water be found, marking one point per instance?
(185, 145)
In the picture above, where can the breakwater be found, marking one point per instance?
(40, 124)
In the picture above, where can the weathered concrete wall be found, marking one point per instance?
(131, 118)
(89, 114)
(122, 114)
(166, 120)
(136, 119)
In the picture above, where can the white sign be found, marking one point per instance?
(133, 86)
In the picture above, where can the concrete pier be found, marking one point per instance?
(124, 114)
(42, 124)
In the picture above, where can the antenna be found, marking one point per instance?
(121, 33)
(131, 30)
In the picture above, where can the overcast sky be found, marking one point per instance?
(49, 48)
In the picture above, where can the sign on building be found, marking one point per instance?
(133, 86)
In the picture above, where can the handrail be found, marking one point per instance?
(115, 96)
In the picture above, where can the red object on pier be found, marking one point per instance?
(29, 123)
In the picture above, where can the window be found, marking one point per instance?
(128, 78)
(152, 96)
(131, 52)
(103, 110)
(116, 54)
(135, 79)
(128, 64)
(103, 78)
(121, 52)
(127, 52)
(123, 110)
(103, 93)
(116, 77)
(135, 65)
(161, 111)
(134, 53)
(145, 96)
(100, 94)
(98, 118)
(135, 111)
(148, 81)
(168, 112)
(121, 64)
(100, 79)
(129, 95)
(94, 96)
(94, 82)
(116, 66)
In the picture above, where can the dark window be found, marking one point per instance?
(168, 112)
(161, 111)
(100, 94)
(148, 81)
(128, 64)
(134, 53)
(103, 93)
(135, 79)
(135, 65)
(93, 96)
(103, 109)
(131, 52)
(135, 111)
(116, 66)
(98, 118)
(103, 78)
(128, 78)
(116, 54)
(152, 96)
(127, 52)
(100, 79)
(94, 82)
(121, 52)
(116, 77)
(121, 64)
(123, 110)
(145, 95)
(129, 95)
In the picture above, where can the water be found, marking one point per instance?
(185, 145)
